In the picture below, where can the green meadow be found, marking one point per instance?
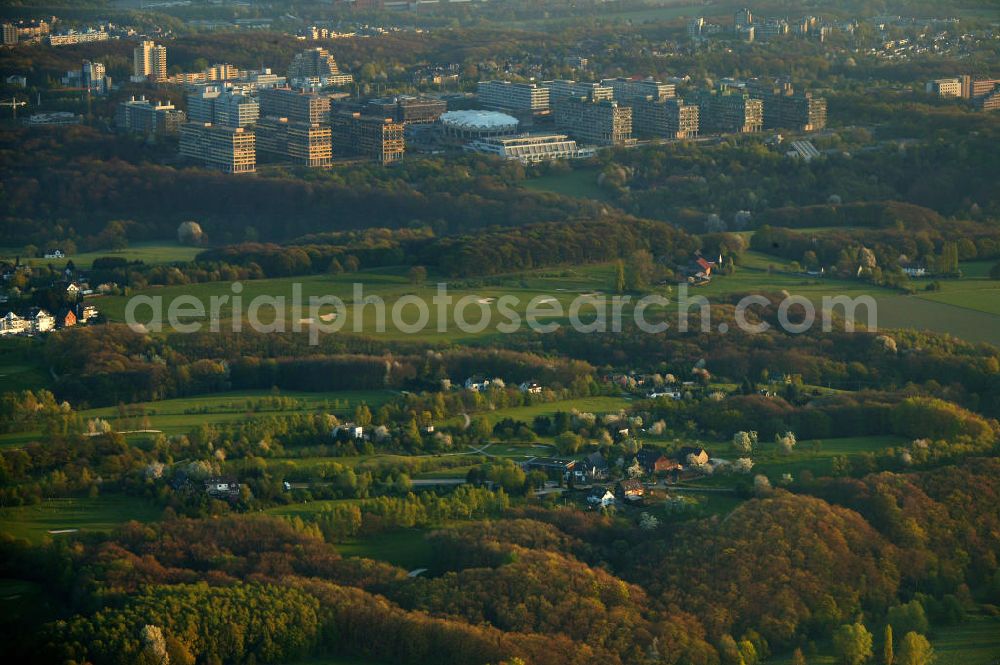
(103, 513)
(813, 455)
(579, 183)
(182, 414)
(974, 642)
(151, 253)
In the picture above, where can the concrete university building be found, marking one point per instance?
(228, 149)
(143, 117)
(379, 139)
(309, 107)
(297, 142)
(668, 118)
(594, 122)
(519, 98)
(220, 106)
(729, 111)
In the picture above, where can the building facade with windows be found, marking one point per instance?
(379, 139)
(297, 142)
(228, 149)
(594, 122)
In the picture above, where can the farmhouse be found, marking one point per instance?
(693, 455)
(654, 461)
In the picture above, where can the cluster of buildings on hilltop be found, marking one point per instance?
(751, 27)
(41, 31)
(984, 94)
(236, 118)
(617, 111)
(648, 464)
(235, 115)
(38, 320)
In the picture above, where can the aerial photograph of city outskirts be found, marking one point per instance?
(500, 332)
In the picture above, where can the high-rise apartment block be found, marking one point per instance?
(298, 142)
(594, 122)
(149, 61)
(144, 117)
(316, 67)
(93, 77)
(514, 97)
(729, 111)
(743, 19)
(665, 118)
(309, 107)
(228, 149)
(380, 139)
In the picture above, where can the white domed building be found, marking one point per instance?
(465, 126)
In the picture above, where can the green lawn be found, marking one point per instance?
(406, 548)
(819, 460)
(391, 287)
(181, 415)
(151, 253)
(583, 404)
(578, 183)
(102, 513)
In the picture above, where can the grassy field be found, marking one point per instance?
(816, 456)
(363, 315)
(20, 365)
(975, 642)
(151, 253)
(406, 548)
(975, 291)
(102, 513)
(579, 183)
(181, 415)
(585, 404)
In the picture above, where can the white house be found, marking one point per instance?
(353, 431)
(478, 384)
(55, 254)
(12, 324)
(73, 289)
(88, 312)
(601, 496)
(530, 387)
(43, 321)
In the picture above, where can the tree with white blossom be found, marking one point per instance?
(744, 442)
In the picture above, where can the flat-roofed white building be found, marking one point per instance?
(530, 149)
(517, 97)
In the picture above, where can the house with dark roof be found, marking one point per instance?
(600, 497)
(654, 461)
(594, 466)
(629, 489)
